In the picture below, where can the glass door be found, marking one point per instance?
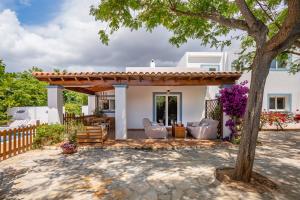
(160, 108)
(167, 109)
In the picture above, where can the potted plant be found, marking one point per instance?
(69, 146)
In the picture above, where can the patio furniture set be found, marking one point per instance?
(205, 129)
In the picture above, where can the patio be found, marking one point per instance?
(144, 174)
(130, 97)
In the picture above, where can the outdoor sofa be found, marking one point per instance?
(205, 129)
(154, 130)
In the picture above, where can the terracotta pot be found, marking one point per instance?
(69, 151)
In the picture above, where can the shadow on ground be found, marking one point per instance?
(142, 174)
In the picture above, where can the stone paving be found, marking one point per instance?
(149, 174)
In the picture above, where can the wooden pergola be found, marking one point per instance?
(92, 82)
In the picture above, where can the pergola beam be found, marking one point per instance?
(90, 83)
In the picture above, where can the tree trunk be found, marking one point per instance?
(245, 159)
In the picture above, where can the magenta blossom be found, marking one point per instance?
(234, 99)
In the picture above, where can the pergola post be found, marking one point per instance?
(226, 130)
(91, 104)
(121, 111)
(55, 104)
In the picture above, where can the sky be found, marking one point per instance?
(61, 34)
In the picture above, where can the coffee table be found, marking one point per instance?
(178, 131)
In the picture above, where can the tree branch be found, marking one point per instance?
(214, 16)
(290, 29)
(251, 20)
(268, 15)
(293, 52)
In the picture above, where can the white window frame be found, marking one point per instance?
(276, 109)
(206, 66)
(109, 104)
(167, 107)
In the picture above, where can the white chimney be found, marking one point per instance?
(152, 64)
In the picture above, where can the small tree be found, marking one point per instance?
(271, 28)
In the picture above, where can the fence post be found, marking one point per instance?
(27, 138)
(4, 145)
(9, 143)
(30, 132)
(15, 141)
(23, 140)
(19, 141)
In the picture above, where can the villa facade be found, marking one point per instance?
(165, 94)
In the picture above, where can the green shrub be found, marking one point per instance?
(71, 133)
(73, 108)
(48, 135)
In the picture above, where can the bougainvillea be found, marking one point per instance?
(278, 119)
(234, 101)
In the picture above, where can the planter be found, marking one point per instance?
(69, 151)
(68, 148)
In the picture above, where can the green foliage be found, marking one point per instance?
(73, 128)
(73, 108)
(216, 112)
(75, 98)
(48, 135)
(23, 89)
(193, 21)
(20, 89)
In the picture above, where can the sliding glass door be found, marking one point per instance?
(167, 108)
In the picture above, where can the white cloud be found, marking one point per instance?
(70, 41)
(25, 2)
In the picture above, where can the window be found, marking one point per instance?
(211, 68)
(107, 104)
(278, 65)
(279, 103)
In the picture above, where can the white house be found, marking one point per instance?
(162, 94)
(165, 94)
(282, 92)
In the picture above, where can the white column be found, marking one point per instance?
(226, 130)
(91, 104)
(120, 112)
(55, 104)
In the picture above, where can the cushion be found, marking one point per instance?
(204, 124)
(154, 124)
(195, 124)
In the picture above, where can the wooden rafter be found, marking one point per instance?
(90, 83)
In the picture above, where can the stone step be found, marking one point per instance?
(92, 140)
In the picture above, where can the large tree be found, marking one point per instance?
(268, 29)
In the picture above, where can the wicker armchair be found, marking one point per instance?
(154, 130)
(205, 129)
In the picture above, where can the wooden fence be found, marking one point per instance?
(16, 141)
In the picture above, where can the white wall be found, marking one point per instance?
(31, 113)
(140, 103)
(280, 82)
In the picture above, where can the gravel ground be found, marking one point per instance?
(142, 174)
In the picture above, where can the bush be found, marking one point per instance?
(278, 119)
(72, 130)
(73, 108)
(48, 135)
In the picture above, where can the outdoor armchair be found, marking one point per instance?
(154, 130)
(205, 129)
